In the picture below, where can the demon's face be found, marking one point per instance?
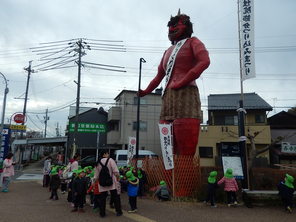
(180, 28)
(176, 31)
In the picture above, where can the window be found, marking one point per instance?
(91, 158)
(219, 120)
(143, 126)
(113, 126)
(122, 157)
(231, 120)
(259, 118)
(226, 120)
(142, 101)
(206, 152)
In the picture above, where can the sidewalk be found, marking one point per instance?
(28, 201)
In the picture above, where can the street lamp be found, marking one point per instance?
(138, 112)
(6, 90)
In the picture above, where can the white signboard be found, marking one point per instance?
(247, 44)
(166, 141)
(131, 151)
(288, 148)
(235, 163)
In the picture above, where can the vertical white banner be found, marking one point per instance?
(247, 43)
(131, 151)
(166, 141)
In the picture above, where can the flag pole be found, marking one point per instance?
(241, 112)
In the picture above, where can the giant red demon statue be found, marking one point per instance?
(181, 65)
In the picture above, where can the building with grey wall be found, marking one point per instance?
(122, 119)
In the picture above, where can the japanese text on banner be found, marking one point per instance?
(166, 145)
(247, 44)
(131, 151)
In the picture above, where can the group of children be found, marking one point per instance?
(132, 181)
(286, 189)
(230, 187)
(81, 183)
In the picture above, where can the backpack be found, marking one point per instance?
(105, 179)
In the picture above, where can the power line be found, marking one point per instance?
(57, 108)
(103, 44)
(47, 46)
(98, 64)
(103, 40)
(109, 50)
(55, 58)
(44, 43)
(64, 67)
(34, 123)
(114, 70)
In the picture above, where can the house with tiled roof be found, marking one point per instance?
(283, 124)
(222, 126)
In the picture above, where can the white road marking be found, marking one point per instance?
(30, 177)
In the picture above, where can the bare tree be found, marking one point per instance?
(254, 152)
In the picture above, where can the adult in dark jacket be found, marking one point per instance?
(79, 188)
(54, 184)
(286, 191)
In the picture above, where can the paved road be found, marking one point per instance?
(28, 201)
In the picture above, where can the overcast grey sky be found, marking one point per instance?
(142, 28)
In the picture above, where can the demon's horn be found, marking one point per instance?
(179, 12)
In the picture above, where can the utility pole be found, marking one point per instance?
(46, 118)
(79, 50)
(6, 90)
(57, 130)
(29, 70)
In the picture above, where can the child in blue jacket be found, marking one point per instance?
(132, 191)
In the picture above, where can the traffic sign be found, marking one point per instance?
(19, 118)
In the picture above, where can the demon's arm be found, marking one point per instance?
(203, 61)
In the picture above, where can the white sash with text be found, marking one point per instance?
(171, 62)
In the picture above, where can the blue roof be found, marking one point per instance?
(252, 101)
